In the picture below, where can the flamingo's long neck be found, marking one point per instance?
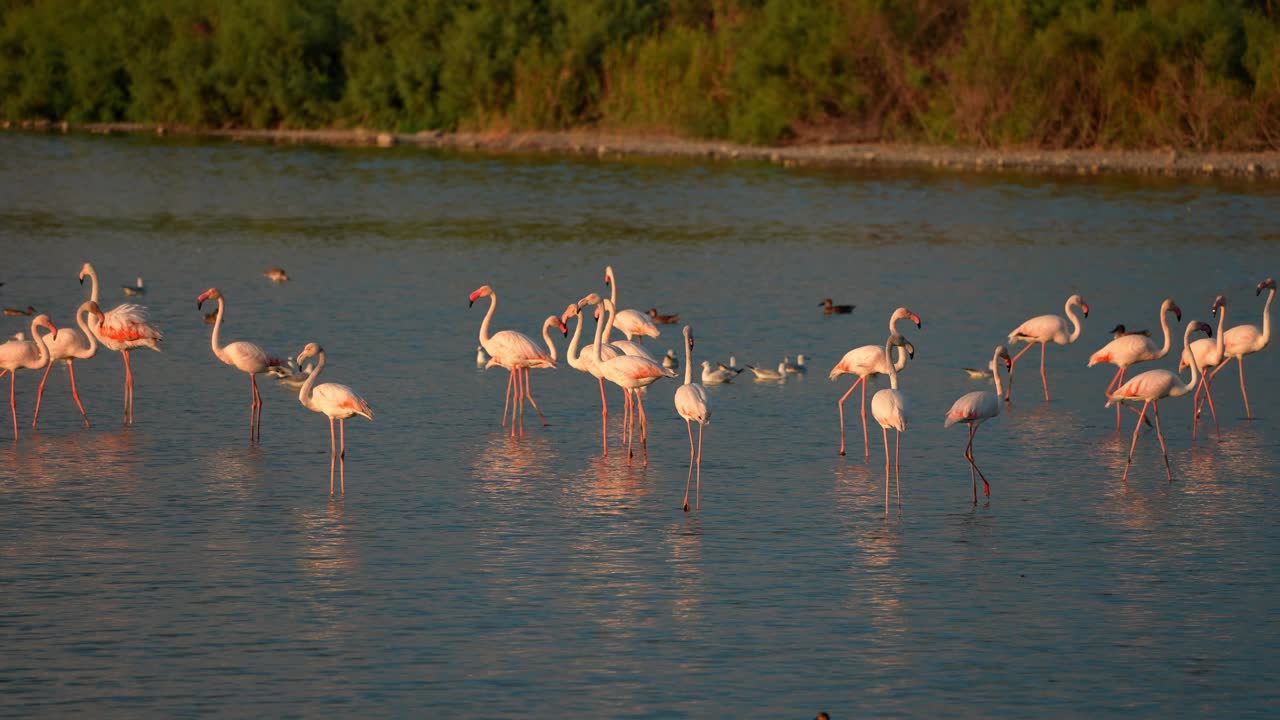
(613, 286)
(901, 362)
(688, 358)
(304, 394)
(1164, 325)
(93, 283)
(546, 336)
(595, 346)
(1075, 322)
(1178, 388)
(1266, 320)
(893, 372)
(1219, 343)
(82, 316)
(572, 354)
(995, 373)
(217, 328)
(42, 349)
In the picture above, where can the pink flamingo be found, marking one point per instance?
(545, 360)
(71, 345)
(631, 374)
(625, 347)
(1153, 386)
(1208, 354)
(889, 408)
(336, 401)
(1133, 348)
(1244, 340)
(1044, 329)
(243, 356)
(585, 362)
(976, 408)
(692, 404)
(30, 354)
(632, 323)
(513, 351)
(867, 362)
(123, 328)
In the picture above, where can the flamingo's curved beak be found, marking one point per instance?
(1177, 312)
(916, 319)
(1084, 307)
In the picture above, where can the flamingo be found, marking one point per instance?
(632, 323)
(889, 408)
(585, 362)
(1133, 348)
(866, 362)
(625, 347)
(631, 374)
(123, 328)
(692, 404)
(243, 356)
(1208, 354)
(1244, 340)
(336, 401)
(1153, 386)
(1044, 329)
(30, 354)
(509, 349)
(976, 408)
(538, 359)
(71, 345)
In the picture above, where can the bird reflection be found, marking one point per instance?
(503, 461)
(328, 562)
(686, 561)
(51, 460)
(609, 484)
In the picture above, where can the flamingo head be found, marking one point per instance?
(210, 294)
(905, 314)
(482, 291)
(1218, 303)
(688, 335)
(555, 321)
(85, 269)
(1206, 327)
(92, 308)
(1267, 284)
(1171, 306)
(1084, 306)
(1003, 353)
(572, 311)
(43, 320)
(310, 350)
(608, 275)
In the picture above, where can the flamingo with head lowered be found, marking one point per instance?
(975, 408)
(1133, 348)
(1042, 330)
(69, 346)
(1208, 354)
(123, 328)
(243, 356)
(337, 402)
(1244, 340)
(633, 323)
(30, 354)
(866, 362)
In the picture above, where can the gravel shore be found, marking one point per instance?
(1261, 166)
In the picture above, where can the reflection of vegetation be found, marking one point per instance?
(1058, 73)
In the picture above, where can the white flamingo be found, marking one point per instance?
(542, 359)
(889, 408)
(632, 374)
(1133, 348)
(512, 350)
(633, 323)
(1208, 354)
(243, 356)
(976, 408)
(692, 404)
(337, 402)
(585, 362)
(30, 354)
(69, 346)
(1153, 386)
(1044, 329)
(1244, 340)
(123, 328)
(866, 362)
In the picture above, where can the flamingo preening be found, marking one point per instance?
(1132, 348)
(243, 356)
(123, 328)
(1153, 386)
(71, 345)
(889, 408)
(1244, 340)
(975, 408)
(337, 402)
(30, 354)
(866, 362)
(1044, 329)
(692, 404)
(1209, 353)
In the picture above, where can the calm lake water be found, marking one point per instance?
(170, 569)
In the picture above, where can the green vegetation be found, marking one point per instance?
(1202, 74)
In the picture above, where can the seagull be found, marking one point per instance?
(134, 290)
(798, 368)
(767, 375)
(717, 376)
(670, 362)
(977, 374)
(481, 358)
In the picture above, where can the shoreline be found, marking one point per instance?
(1259, 166)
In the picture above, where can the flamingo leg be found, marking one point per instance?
(40, 393)
(986, 487)
(13, 403)
(897, 464)
(71, 369)
(689, 426)
(518, 400)
(1013, 365)
(333, 451)
(1244, 393)
(644, 427)
(1208, 394)
(968, 455)
(604, 420)
(698, 500)
(1136, 427)
(255, 411)
(506, 399)
(1163, 450)
(631, 433)
(1044, 379)
(529, 395)
(866, 444)
(1119, 378)
(342, 456)
(128, 389)
(841, 406)
(626, 420)
(885, 432)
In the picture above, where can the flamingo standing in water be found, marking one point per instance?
(633, 323)
(511, 350)
(539, 359)
(866, 362)
(30, 354)
(692, 404)
(1132, 348)
(71, 345)
(243, 356)
(1044, 329)
(123, 328)
(1208, 354)
(1153, 386)
(336, 401)
(630, 373)
(1244, 340)
(889, 408)
(976, 408)
(585, 362)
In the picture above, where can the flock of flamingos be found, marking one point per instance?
(630, 366)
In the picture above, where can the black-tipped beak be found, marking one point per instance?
(1177, 312)
(199, 303)
(470, 303)
(82, 280)
(919, 325)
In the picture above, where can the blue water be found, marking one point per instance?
(171, 569)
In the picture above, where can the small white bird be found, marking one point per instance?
(134, 290)
(977, 374)
(481, 358)
(767, 375)
(671, 362)
(796, 368)
(717, 376)
(289, 375)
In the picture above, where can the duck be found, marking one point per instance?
(16, 311)
(277, 275)
(830, 308)
(767, 375)
(1119, 331)
(134, 290)
(717, 376)
(670, 361)
(796, 368)
(663, 319)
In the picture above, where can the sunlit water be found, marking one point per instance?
(171, 569)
